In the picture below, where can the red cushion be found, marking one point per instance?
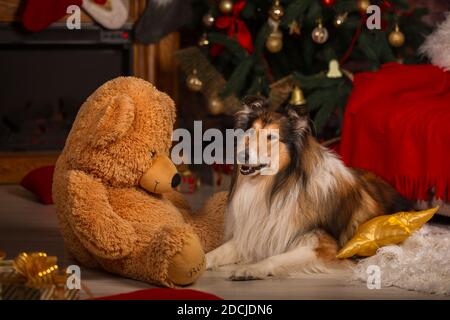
(39, 181)
(163, 294)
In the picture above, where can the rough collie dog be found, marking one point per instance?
(296, 219)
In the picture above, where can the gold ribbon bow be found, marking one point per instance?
(37, 268)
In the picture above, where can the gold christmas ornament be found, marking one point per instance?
(297, 97)
(294, 28)
(274, 42)
(334, 70)
(363, 5)
(340, 19)
(213, 81)
(226, 6)
(215, 106)
(384, 230)
(396, 37)
(320, 33)
(193, 82)
(203, 41)
(276, 12)
(208, 20)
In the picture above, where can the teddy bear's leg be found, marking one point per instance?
(172, 256)
(74, 246)
(177, 255)
(208, 223)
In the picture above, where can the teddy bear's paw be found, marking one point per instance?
(188, 264)
(249, 272)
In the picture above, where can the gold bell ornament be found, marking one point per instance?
(396, 37)
(320, 33)
(297, 97)
(193, 82)
(334, 71)
(384, 230)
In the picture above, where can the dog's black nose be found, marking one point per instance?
(176, 180)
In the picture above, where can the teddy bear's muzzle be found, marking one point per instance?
(162, 176)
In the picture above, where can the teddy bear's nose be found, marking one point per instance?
(176, 180)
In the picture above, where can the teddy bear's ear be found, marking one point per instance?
(114, 121)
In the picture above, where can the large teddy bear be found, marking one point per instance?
(113, 190)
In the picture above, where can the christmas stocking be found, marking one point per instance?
(161, 17)
(39, 14)
(111, 14)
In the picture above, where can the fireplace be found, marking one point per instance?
(46, 76)
(44, 79)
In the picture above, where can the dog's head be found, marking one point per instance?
(272, 141)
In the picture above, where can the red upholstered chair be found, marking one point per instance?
(397, 125)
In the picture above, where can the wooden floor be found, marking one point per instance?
(26, 225)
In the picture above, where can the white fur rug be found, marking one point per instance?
(420, 263)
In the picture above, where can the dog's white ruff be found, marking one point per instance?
(420, 263)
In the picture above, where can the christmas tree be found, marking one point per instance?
(309, 47)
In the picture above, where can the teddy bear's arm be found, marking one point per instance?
(208, 222)
(177, 199)
(100, 229)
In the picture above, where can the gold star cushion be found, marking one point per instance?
(384, 230)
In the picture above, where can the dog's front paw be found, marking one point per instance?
(248, 273)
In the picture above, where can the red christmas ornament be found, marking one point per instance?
(328, 3)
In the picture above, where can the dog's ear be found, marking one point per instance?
(255, 103)
(298, 119)
(250, 105)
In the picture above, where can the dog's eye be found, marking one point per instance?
(152, 154)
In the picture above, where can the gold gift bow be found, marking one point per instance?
(38, 269)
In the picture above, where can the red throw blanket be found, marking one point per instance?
(397, 125)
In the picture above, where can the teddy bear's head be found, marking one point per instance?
(122, 131)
